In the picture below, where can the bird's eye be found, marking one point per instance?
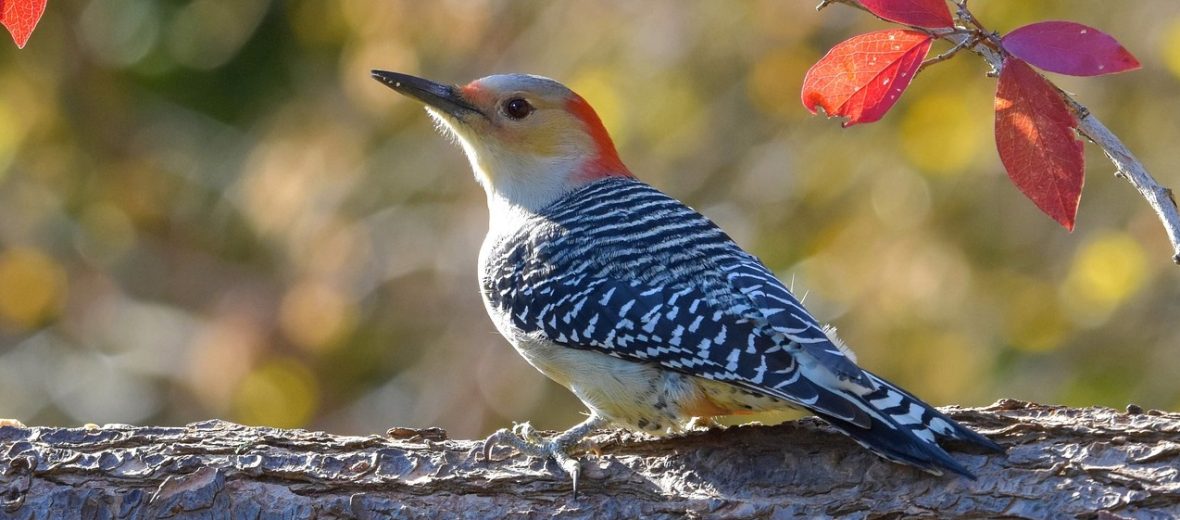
(517, 108)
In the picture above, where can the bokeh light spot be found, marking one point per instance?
(282, 393)
(315, 315)
(597, 88)
(939, 134)
(12, 130)
(32, 287)
(120, 32)
(104, 233)
(205, 34)
(1034, 321)
(1106, 271)
(1170, 47)
(775, 80)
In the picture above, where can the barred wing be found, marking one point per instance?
(678, 328)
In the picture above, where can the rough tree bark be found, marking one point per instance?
(1061, 462)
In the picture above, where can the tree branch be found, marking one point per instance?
(972, 35)
(1060, 462)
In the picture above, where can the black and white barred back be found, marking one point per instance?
(620, 268)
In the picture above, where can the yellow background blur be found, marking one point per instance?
(208, 209)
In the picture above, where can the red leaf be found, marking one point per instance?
(931, 14)
(862, 77)
(20, 17)
(1069, 48)
(1037, 143)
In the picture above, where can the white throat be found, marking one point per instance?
(517, 185)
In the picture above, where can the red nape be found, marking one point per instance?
(606, 162)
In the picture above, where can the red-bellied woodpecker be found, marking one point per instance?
(642, 307)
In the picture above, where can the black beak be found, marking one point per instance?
(442, 97)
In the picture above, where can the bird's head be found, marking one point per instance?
(530, 139)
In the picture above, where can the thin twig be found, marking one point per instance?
(1127, 166)
(849, 3)
(966, 43)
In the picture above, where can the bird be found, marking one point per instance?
(642, 307)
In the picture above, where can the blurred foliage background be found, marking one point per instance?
(208, 208)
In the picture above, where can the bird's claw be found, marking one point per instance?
(526, 432)
(701, 424)
(570, 465)
(524, 438)
(521, 436)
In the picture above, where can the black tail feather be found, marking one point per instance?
(956, 431)
(904, 429)
(901, 445)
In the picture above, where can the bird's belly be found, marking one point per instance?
(638, 396)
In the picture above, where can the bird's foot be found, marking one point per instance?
(521, 436)
(525, 439)
(702, 424)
